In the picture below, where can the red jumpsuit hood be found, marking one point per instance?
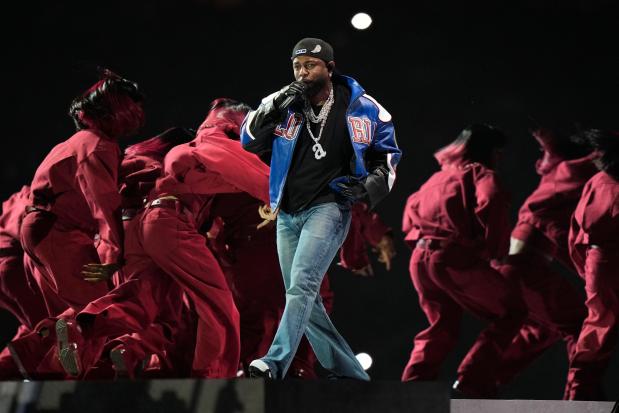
(550, 158)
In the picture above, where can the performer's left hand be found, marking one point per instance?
(353, 191)
(95, 273)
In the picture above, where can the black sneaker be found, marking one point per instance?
(259, 369)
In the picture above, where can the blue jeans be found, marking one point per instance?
(307, 242)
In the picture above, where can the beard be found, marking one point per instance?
(315, 86)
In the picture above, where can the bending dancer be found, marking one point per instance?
(331, 145)
(167, 256)
(74, 195)
(555, 309)
(457, 222)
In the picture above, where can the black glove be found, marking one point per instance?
(288, 94)
(353, 191)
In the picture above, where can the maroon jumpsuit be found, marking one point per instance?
(73, 219)
(19, 294)
(159, 344)
(555, 308)
(456, 223)
(594, 248)
(75, 196)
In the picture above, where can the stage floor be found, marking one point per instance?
(248, 396)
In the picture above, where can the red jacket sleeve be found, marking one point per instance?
(11, 217)
(97, 176)
(241, 169)
(411, 233)
(492, 213)
(577, 250)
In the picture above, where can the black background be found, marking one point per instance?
(435, 65)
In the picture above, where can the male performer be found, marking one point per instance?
(331, 145)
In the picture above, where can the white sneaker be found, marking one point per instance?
(259, 369)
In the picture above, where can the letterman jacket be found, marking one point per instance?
(375, 151)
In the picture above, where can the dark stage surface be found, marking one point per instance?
(435, 66)
(257, 396)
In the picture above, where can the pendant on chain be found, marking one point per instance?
(319, 152)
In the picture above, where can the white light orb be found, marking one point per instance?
(365, 360)
(361, 21)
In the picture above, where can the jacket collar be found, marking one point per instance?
(356, 91)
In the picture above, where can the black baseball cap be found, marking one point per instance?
(311, 46)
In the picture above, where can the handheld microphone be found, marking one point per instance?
(289, 99)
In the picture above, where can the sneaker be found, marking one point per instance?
(29, 350)
(117, 355)
(259, 369)
(125, 363)
(69, 343)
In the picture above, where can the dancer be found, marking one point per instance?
(457, 222)
(74, 195)
(594, 247)
(555, 309)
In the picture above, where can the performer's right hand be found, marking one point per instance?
(98, 272)
(288, 94)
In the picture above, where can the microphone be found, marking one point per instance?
(291, 98)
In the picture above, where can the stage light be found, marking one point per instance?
(365, 360)
(361, 21)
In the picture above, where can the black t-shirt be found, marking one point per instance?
(308, 178)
